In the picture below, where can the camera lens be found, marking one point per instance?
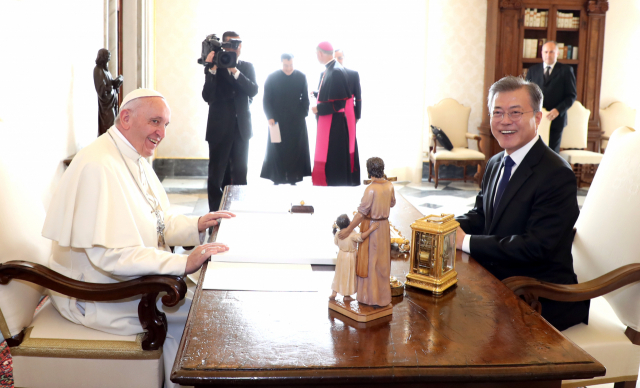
(225, 60)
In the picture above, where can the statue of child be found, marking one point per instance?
(344, 281)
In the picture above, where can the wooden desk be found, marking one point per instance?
(479, 334)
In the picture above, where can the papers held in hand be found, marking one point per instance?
(274, 131)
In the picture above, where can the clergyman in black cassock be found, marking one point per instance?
(334, 163)
(286, 102)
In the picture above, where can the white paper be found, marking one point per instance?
(274, 130)
(278, 238)
(261, 277)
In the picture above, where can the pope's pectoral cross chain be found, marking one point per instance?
(160, 226)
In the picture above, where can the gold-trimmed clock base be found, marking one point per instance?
(360, 312)
(437, 287)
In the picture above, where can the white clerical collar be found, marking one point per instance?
(518, 155)
(331, 60)
(136, 154)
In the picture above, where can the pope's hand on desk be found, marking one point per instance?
(459, 237)
(210, 219)
(201, 253)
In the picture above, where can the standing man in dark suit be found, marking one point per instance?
(354, 83)
(558, 84)
(229, 93)
(522, 222)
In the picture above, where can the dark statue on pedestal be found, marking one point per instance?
(107, 89)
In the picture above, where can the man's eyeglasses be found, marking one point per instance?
(514, 116)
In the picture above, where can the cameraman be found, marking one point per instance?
(229, 93)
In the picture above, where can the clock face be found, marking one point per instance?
(425, 260)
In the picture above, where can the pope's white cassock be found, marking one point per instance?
(104, 231)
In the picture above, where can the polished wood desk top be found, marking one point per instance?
(477, 334)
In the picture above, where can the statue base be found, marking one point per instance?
(360, 312)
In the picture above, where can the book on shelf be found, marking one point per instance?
(574, 53)
(535, 18)
(532, 48)
(561, 51)
(568, 50)
(567, 20)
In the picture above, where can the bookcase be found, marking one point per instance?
(576, 23)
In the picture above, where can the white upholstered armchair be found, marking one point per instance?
(606, 254)
(574, 143)
(453, 118)
(616, 115)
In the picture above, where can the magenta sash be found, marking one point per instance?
(319, 176)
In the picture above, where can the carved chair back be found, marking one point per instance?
(453, 118)
(574, 134)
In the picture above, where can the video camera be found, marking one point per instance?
(222, 59)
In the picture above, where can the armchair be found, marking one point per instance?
(605, 253)
(453, 118)
(47, 349)
(574, 142)
(616, 115)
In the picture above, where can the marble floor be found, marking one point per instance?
(188, 195)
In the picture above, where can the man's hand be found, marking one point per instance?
(201, 253)
(232, 70)
(210, 57)
(210, 219)
(272, 122)
(553, 114)
(344, 233)
(374, 226)
(459, 237)
(314, 109)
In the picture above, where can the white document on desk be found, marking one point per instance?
(274, 238)
(261, 277)
(274, 131)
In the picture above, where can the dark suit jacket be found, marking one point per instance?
(531, 231)
(559, 92)
(228, 97)
(354, 85)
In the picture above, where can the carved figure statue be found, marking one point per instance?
(107, 89)
(344, 281)
(373, 266)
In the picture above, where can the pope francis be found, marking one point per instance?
(109, 220)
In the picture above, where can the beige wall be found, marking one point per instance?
(620, 81)
(455, 56)
(48, 104)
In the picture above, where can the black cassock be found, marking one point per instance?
(333, 93)
(286, 101)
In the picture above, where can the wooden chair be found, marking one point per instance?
(47, 349)
(607, 261)
(453, 119)
(616, 115)
(574, 143)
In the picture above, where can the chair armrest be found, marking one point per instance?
(151, 319)
(532, 289)
(472, 136)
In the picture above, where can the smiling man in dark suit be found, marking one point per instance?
(522, 222)
(229, 93)
(558, 84)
